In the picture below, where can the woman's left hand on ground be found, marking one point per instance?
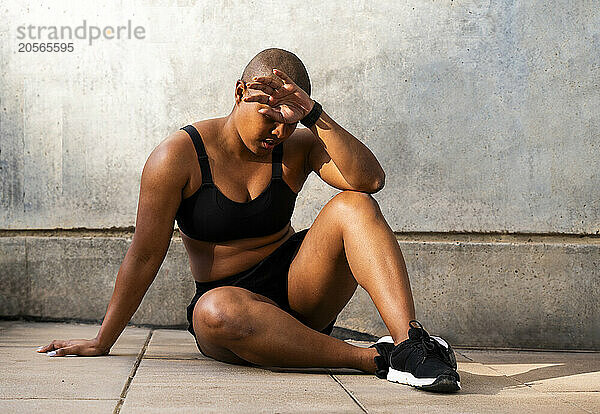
(288, 103)
(84, 347)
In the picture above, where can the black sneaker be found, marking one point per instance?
(384, 346)
(424, 361)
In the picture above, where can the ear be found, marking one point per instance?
(240, 90)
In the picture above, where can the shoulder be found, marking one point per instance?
(171, 159)
(179, 147)
(176, 154)
(174, 149)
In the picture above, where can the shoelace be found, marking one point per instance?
(428, 345)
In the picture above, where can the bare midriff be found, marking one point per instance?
(213, 261)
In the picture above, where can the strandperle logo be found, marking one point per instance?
(90, 33)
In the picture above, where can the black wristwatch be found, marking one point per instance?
(311, 118)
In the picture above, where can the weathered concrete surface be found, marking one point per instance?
(536, 295)
(497, 294)
(484, 391)
(162, 385)
(33, 382)
(530, 295)
(483, 114)
(14, 278)
(174, 377)
(553, 372)
(74, 277)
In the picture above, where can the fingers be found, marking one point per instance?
(275, 95)
(268, 80)
(271, 113)
(83, 347)
(261, 87)
(58, 348)
(283, 76)
(56, 344)
(69, 350)
(260, 98)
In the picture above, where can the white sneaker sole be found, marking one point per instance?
(443, 383)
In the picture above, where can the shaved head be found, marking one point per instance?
(263, 63)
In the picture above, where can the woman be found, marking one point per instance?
(267, 295)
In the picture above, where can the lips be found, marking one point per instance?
(269, 143)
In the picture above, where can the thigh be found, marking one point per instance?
(320, 282)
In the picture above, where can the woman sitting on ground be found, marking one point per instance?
(267, 295)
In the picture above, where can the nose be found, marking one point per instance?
(278, 129)
(282, 130)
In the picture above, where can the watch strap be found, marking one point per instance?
(311, 118)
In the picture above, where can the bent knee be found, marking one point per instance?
(352, 203)
(223, 312)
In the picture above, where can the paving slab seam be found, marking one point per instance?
(134, 369)
(197, 358)
(56, 399)
(350, 394)
(510, 377)
(463, 355)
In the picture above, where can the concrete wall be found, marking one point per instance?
(484, 115)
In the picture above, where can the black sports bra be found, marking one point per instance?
(210, 216)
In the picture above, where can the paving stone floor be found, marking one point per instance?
(161, 371)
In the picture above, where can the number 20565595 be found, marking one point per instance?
(46, 47)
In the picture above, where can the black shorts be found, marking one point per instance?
(269, 278)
